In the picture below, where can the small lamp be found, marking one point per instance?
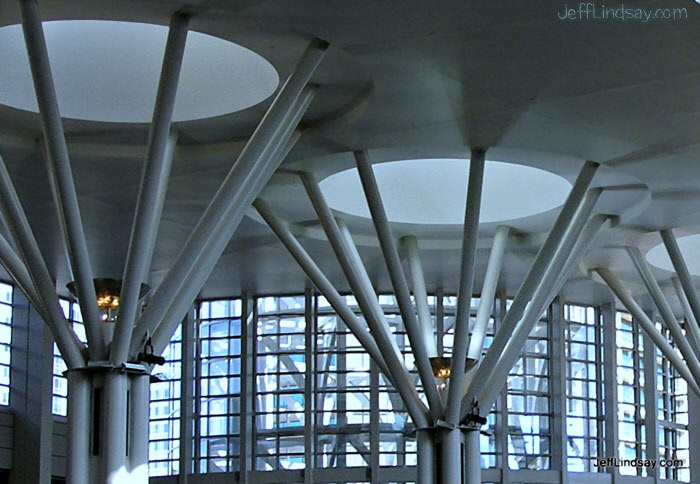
(108, 291)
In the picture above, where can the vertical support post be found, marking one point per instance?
(139, 402)
(440, 321)
(188, 399)
(375, 415)
(610, 386)
(341, 403)
(502, 417)
(247, 390)
(558, 381)
(30, 395)
(65, 196)
(79, 421)
(455, 390)
(694, 430)
(197, 390)
(452, 458)
(472, 459)
(426, 456)
(113, 438)
(309, 377)
(651, 420)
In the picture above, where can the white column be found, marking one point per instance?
(138, 429)
(113, 429)
(472, 459)
(426, 456)
(79, 421)
(451, 458)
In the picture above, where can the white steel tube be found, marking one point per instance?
(540, 299)
(648, 326)
(665, 310)
(451, 458)
(65, 338)
(352, 267)
(113, 424)
(458, 365)
(79, 419)
(15, 267)
(204, 265)
(222, 207)
(674, 253)
(534, 275)
(488, 292)
(138, 429)
(154, 183)
(367, 299)
(425, 456)
(472, 459)
(594, 225)
(420, 294)
(314, 273)
(691, 322)
(387, 243)
(66, 198)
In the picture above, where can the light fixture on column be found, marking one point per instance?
(441, 366)
(441, 369)
(108, 291)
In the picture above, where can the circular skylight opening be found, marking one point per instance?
(689, 247)
(109, 71)
(434, 191)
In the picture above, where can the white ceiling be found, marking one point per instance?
(427, 80)
(434, 191)
(108, 71)
(690, 249)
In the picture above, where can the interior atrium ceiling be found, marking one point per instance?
(426, 80)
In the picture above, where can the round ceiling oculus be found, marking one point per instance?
(690, 249)
(109, 71)
(434, 191)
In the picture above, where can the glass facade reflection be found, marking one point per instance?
(316, 399)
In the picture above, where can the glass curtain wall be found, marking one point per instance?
(528, 402)
(5, 341)
(584, 378)
(351, 410)
(218, 390)
(59, 398)
(672, 415)
(631, 409)
(165, 406)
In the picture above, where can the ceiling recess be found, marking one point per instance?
(109, 71)
(434, 191)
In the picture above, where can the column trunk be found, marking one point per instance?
(107, 426)
(449, 456)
